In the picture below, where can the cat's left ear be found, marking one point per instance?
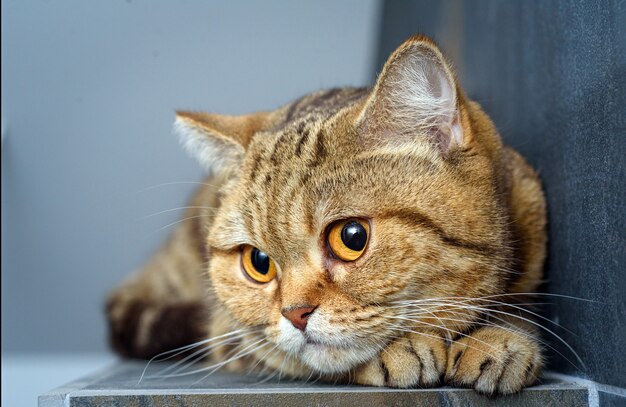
(218, 142)
(416, 95)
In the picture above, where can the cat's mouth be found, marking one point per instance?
(332, 356)
(311, 341)
(323, 343)
(322, 349)
(318, 344)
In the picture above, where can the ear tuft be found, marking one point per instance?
(218, 142)
(415, 95)
(214, 151)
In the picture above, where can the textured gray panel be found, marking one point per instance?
(607, 399)
(119, 386)
(552, 75)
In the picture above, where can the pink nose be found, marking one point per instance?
(298, 316)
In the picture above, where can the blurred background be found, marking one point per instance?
(88, 157)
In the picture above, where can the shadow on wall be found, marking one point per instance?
(552, 75)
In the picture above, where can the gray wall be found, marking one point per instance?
(88, 94)
(552, 75)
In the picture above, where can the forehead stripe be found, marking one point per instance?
(416, 218)
(320, 149)
(304, 131)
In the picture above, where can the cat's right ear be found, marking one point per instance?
(415, 96)
(218, 142)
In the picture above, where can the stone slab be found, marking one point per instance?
(611, 399)
(120, 386)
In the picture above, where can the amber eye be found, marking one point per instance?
(257, 265)
(348, 238)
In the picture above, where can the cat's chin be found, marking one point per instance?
(330, 359)
(323, 356)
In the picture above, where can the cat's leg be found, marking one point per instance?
(164, 305)
(498, 359)
(506, 356)
(415, 360)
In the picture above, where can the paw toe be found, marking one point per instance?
(497, 363)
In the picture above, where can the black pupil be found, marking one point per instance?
(354, 236)
(260, 261)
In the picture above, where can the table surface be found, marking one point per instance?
(120, 385)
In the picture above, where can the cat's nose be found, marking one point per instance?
(298, 316)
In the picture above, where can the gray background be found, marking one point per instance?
(552, 75)
(88, 94)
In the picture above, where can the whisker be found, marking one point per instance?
(180, 221)
(177, 209)
(523, 332)
(448, 306)
(280, 369)
(515, 295)
(239, 355)
(178, 351)
(269, 377)
(408, 330)
(203, 353)
(204, 369)
(491, 310)
(177, 183)
(447, 329)
(262, 358)
(516, 306)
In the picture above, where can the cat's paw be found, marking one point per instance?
(494, 361)
(411, 361)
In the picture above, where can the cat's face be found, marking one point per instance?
(337, 212)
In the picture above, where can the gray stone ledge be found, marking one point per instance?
(119, 386)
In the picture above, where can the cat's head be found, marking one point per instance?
(353, 215)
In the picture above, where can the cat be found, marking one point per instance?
(381, 236)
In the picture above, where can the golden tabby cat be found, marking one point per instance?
(379, 236)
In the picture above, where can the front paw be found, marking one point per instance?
(415, 360)
(494, 360)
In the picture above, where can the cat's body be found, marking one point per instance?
(455, 226)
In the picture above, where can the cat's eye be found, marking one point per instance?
(257, 265)
(348, 238)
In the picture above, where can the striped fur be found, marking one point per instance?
(456, 217)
